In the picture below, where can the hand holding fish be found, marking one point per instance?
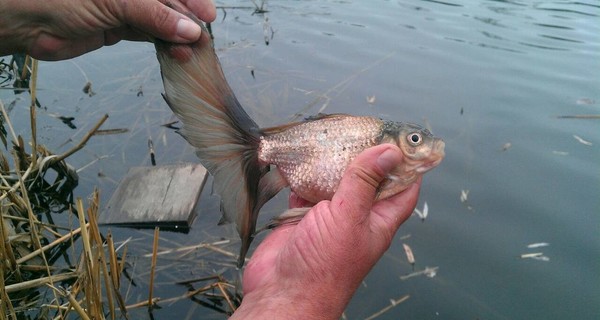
(329, 252)
(61, 29)
(250, 164)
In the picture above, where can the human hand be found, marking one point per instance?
(62, 29)
(296, 268)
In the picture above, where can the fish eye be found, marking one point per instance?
(414, 139)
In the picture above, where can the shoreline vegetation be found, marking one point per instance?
(64, 270)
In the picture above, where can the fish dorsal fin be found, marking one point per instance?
(321, 116)
(287, 126)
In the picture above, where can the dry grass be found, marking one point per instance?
(31, 242)
(69, 269)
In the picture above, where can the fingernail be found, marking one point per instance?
(387, 160)
(188, 30)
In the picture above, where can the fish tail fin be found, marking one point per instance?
(215, 123)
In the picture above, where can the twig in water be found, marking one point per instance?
(393, 303)
(50, 245)
(40, 282)
(111, 131)
(153, 267)
(226, 295)
(580, 116)
(82, 143)
(151, 149)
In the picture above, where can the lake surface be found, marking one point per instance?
(490, 77)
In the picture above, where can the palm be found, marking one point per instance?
(328, 239)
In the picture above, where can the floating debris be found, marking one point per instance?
(371, 99)
(409, 254)
(536, 256)
(531, 255)
(581, 140)
(103, 132)
(266, 28)
(140, 91)
(585, 101)
(542, 258)
(464, 195)
(214, 246)
(428, 272)
(538, 245)
(151, 150)
(393, 303)
(580, 116)
(68, 121)
(87, 89)
(422, 214)
(506, 146)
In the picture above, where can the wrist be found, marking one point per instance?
(294, 302)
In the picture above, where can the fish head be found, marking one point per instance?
(422, 151)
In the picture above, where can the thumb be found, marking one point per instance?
(161, 21)
(358, 188)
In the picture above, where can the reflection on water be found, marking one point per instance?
(482, 74)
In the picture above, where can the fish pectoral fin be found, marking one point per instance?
(289, 217)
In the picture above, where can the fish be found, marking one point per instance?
(250, 164)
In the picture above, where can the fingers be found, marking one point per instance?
(358, 187)
(51, 48)
(387, 215)
(164, 22)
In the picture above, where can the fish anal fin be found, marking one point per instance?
(270, 184)
(288, 217)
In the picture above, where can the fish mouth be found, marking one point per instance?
(429, 165)
(437, 155)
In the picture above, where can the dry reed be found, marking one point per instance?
(32, 284)
(29, 246)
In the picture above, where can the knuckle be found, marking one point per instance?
(163, 18)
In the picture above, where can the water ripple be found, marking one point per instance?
(444, 3)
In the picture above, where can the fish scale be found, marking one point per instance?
(312, 156)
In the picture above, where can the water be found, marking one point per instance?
(480, 73)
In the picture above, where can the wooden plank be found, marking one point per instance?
(156, 196)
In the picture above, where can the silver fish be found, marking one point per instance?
(310, 156)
